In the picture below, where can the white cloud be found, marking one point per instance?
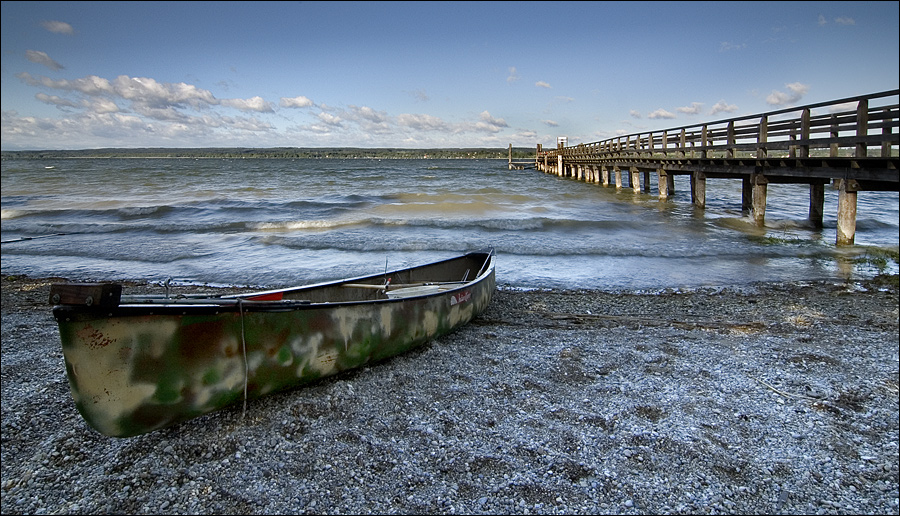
(725, 46)
(693, 109)
(58, 27)
(369, 114)
(634, 113)
(140, 111)
(36, 56)
(149, 91)
(104, 106)
(722, 107)
(840, 20)
(550, 123)
(487, 123)
(329, 119)
(779, 98)
(160, 113)
(54, 100)
(661, 113)
(90, 85)
(542, 84)
(513, 75)
(295, 102)
(257, 104)
(422, 122)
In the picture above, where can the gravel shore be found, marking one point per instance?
(770, 398)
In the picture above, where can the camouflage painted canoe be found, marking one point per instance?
(139, 363)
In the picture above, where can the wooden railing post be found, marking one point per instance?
(804, 133)
(835, 132)
(729, 138)
(762, 137)
(703, 143)
(862, 127)
(792, 149)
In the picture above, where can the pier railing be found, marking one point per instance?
(852, 141)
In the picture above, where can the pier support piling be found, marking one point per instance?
(846, 216)
(759, 185)
(698, 189)
(636, 180)
(816, 204)
(662, 181)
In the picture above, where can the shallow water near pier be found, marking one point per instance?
(268, 222)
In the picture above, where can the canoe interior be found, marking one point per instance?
(452, 272)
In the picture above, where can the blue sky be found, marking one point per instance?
(81, 75)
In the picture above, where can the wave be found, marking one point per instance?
(9, 214)
(301, 225)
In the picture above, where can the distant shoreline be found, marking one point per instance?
(273, 153)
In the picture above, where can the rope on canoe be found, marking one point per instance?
(246, 364)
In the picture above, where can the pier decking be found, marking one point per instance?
(851, 143)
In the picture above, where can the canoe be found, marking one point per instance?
(138, 363)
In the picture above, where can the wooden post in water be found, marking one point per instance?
(816, 204)
(759, 184)
(746, 196)
(635, 180)
(618, 173)
(816, 190)
(748, 185)
(698, 189)
(604, 175)
(662, 182)
(846, 216)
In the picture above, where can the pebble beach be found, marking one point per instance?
(773, 398)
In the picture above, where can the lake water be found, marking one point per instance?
(267, 223)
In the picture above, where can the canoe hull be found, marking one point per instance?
(135, 369)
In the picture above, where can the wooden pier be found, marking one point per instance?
(519, 165)
(851, 143)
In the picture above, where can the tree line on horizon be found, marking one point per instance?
(518, 153)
